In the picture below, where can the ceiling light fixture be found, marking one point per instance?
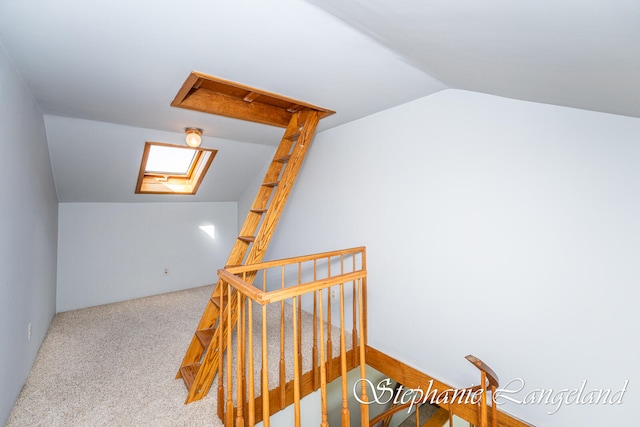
(193, 137)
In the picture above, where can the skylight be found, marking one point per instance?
(170, 160)
(172, 169)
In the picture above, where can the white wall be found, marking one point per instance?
(110, 252)
(495, 227)
(28, 223)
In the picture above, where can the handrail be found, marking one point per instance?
(491, 376)
(293, 260)
(389, 412)
(252, 292)
(264, 298)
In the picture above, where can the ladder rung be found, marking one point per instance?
(295, 108)
(283, 159)
(258, 211)
(216, 302)
(292, 136)
(271, 184)
(189, 373)
(247, 239)
(205, 336)
(251, 96)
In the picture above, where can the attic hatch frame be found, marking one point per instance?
(209, 94)
(205, 93)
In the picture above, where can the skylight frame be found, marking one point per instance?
(157, 182)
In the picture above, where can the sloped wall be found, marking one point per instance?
(28, 233)
(501, 228)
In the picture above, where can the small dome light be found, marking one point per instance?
(193, 137)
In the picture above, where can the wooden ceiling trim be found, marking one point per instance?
(209, 94)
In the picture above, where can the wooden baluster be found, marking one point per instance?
(296, 365)
(346, 417)
(323, 372)
(221, 329)
(283, 378)
(240, 364)
(329, 341)
(494, 409)
(364, 407)
(265, 371)
(364, 328)
(244, 340)
(314, 350)
(229, 412)
(300, 317)
(252, 381)
(354, 331)
(483, 399)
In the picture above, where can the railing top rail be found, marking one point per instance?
(491, 375)
(264, 298)
(294, 260)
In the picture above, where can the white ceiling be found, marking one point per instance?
(99, 162)
(122, 62)
(576, 53)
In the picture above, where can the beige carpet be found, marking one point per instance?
(114, 365)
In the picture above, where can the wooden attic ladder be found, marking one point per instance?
(213, 95)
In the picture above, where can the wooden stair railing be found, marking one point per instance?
(486, 374)
(450, 395)
(475, 413)
(324, 280)
(217, 96)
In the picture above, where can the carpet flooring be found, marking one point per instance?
(115, 364)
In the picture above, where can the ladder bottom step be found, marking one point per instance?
(189, 373)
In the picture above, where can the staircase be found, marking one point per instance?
(211, 94)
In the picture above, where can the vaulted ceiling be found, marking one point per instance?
(121, 62)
